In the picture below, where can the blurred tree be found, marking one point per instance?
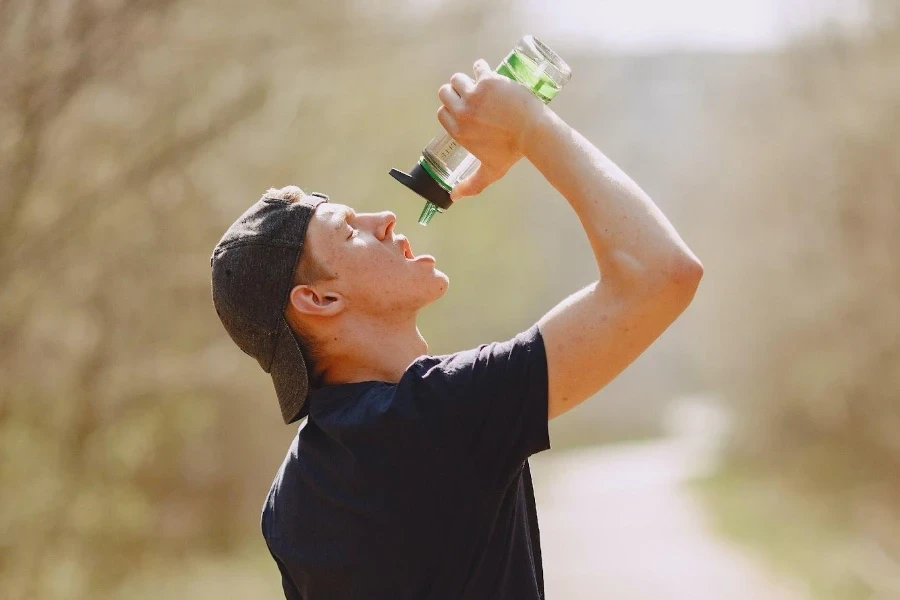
(831, 353)
(93, 158)
(812, 307)
(128, 421)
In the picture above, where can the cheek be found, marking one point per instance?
(379, 281)
(376, 274)
(388, 283)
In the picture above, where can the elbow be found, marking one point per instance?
(683, 277)
(671, 281)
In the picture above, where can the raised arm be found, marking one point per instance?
(646, 273)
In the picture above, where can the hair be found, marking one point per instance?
(307, 271)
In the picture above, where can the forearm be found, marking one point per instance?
(631, 239)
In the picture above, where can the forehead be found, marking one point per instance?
(331, 212)
(329, 215)
(327, 221)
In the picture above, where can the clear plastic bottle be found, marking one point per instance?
(444, 163)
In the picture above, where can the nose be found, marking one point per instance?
(385, 224)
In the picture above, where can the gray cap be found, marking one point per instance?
(252, 276)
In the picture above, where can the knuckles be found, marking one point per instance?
(443, 115)
(458, 79)
(465, 113)
(489, 83)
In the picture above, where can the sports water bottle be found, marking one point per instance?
(444, 163)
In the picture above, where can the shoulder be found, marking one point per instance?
(434, 365)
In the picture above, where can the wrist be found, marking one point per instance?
(536, 130)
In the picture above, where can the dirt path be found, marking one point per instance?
(618, 523)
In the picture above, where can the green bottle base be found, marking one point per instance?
(428, 212)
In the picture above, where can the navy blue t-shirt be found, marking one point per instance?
(419, 489)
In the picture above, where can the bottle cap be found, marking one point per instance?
(419, 181)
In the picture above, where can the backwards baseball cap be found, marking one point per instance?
(252, 276)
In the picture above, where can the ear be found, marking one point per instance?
(308, 300)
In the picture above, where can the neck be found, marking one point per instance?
(367, 349)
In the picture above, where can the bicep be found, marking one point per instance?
(593, 335)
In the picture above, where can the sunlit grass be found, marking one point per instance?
(801, 536)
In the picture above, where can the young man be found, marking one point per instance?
(410, 477)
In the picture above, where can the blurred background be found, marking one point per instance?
(752, 452)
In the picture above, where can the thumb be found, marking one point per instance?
(472, 185)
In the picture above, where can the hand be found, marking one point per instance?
(491, 117)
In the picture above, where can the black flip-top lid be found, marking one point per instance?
(419, 181)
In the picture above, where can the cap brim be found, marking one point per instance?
(289, 375)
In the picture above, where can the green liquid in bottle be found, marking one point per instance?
(525, 71)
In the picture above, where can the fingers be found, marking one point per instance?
(472, 185)
(462, 84)
(447, 120)
(449, 97)
(453, 94)
(481, 69)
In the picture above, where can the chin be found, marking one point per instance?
(439, 285)
(444, 279)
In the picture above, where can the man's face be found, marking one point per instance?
(374, 268)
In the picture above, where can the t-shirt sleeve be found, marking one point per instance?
(488, 405)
